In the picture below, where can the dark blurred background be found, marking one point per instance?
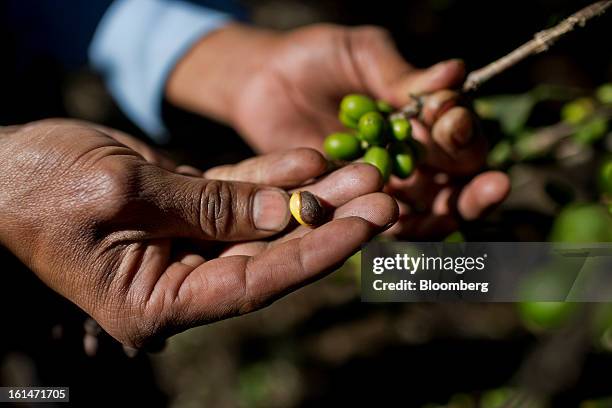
(320, 346)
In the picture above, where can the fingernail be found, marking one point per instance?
(270, 210)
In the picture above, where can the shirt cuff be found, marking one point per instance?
(136, 46)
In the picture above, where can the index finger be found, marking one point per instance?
(284, 169)
(235, 285)
(454, 145)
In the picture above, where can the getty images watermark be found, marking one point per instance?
(486, 272)
(413, 264)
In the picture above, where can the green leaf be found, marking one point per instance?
(529, 147)
(512, 111)
(557, 93)
(500, 154)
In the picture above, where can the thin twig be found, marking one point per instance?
(548, 137)
(541, 42)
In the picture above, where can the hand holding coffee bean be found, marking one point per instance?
(149, 249)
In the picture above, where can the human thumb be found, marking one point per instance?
(388, 76)
(217, 210)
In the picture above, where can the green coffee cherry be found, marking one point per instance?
(544, 290)
(354, 106)
(605, 177)
(546, 315)
(342, 146)
(347, 121)
(383, 106)
(372, 128)
(403, 160)
(401, 129)
(604, 94)
(577, 111)
(583, 223)
(381, 159)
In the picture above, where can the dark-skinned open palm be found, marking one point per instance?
(149, 249)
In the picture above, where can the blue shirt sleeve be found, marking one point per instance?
(136, 45)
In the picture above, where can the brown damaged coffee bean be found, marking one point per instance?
(307, 209)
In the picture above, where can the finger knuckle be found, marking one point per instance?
(373, 33)
(324, 33)
(439, 105)
(112, 186)
(217, 200)
(326, 30)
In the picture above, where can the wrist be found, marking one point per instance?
(209, 78)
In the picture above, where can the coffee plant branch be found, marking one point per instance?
(546, 138)
(541, 42)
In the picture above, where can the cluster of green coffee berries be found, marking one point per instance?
(379, 139)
